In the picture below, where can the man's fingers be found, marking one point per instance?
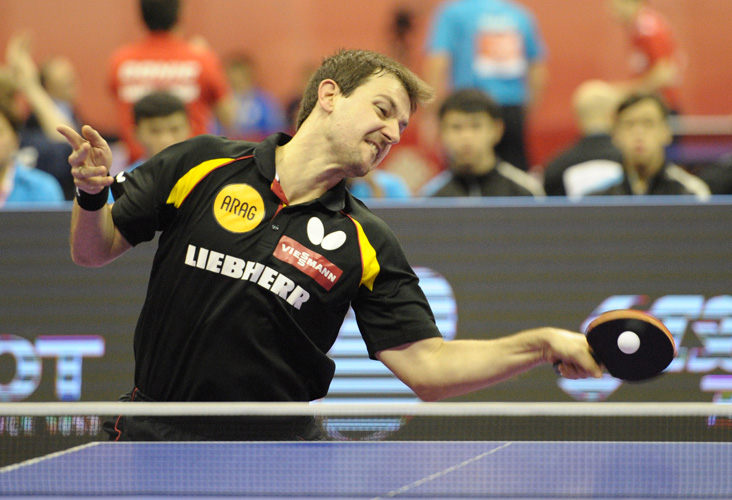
(86, 171)
(79, 155)
(573, 370)
(89, 148)
(94, 137)
(89, 135)
(92, 184)
(101, 154)
(89, 178)
(572, 356)
(71, 136)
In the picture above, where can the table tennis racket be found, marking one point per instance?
(631, 345)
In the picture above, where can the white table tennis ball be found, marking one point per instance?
(628, 342)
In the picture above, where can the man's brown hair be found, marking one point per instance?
(351, 68)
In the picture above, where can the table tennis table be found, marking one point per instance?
(386, 469)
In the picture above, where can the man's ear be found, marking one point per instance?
(328, 91)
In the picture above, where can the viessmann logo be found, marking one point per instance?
(315, 265)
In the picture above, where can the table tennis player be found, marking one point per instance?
(261, 252)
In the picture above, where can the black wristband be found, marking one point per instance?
(92, 202)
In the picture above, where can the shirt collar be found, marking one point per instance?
(335, 198)
(264, 155)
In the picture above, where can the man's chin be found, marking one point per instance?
(360, 170)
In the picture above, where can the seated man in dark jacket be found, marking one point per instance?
(470, 127)
(592, 162)
(642, 132)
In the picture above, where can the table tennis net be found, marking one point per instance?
(566, 441)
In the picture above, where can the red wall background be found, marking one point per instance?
(583, 39)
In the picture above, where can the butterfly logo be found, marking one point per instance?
(317, 236)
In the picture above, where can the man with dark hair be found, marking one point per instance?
(470, 127)
(160, 15)
(642, 132)
(350, 69)
(163, 60)
(157, 104)
(161, 120)
(262, 252)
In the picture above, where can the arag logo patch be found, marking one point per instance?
(239, 208)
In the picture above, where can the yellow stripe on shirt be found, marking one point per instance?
(369, 261)
(188, 182)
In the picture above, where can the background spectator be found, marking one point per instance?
(655, 60)
(718, 176)
(496, 46)
(59, 79)
(470, 127)
(642, 133)
(584, 41)
(19, 183)
(163, 60)
(378, 183)
(593, 160)
(258, 113)
(41, 110)
(161, 120)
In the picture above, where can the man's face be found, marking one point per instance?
(469, 139)
(61, 80)
(8, 142)
(241, 77)
(156, 134)
(364, 125)
(641, 133)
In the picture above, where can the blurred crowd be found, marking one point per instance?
(485, 58)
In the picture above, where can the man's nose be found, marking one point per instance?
(392, 132)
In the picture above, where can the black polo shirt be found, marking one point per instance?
(246, 294)
(669, 180)
(503, 180)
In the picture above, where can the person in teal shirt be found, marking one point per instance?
(379, 184)
(495, 46)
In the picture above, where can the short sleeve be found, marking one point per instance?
(142, 207)
(395, 311)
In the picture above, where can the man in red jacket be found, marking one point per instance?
(164, 61)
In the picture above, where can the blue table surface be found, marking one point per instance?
(393, 469)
